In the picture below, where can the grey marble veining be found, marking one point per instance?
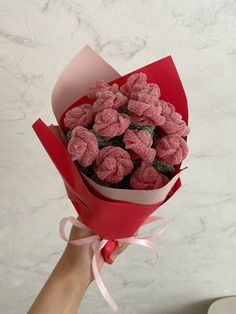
(37, 39)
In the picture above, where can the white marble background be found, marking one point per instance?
(37, 38)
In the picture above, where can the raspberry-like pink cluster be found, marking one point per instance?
(111, 133)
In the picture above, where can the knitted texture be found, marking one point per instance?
(145, 114)
(172, 149)
(101, 86)
(112, 164)
(109, 100)
(83, 146)
(140, 143)
(82, 115)
(147, 177)
(174, 124)
(110, 123)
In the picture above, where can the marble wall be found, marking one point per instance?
(37, 38)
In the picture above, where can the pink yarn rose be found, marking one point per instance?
(148, 92)
(83, 146)
(101, 86)
(109, 100)
(140, 143)
(172, 149)
(145, 114)
(81, 115)
(112, 164)
(147, 177)
(136, 86)
(110, 123)
(148, 99)
(174, 124)
(137, 79)
(167, 107)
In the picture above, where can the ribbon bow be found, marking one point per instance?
(139, 240)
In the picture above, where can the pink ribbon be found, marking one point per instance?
(96, 239)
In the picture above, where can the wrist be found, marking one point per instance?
(79, 271)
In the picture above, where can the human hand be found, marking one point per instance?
(64, 289)
(79, 258)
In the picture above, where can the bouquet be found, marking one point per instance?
(118, 145)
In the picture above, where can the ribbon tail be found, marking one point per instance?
(77, 224)
(142, 242)
(151, 219)
(156, 233)
(98, 278)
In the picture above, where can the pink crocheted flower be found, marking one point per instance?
(147, 177)
(139, 79)
(110, 123)
(167, 107)
(145, 114)
(81, 115)
(172, 149)
(148, 99)
(148, 92)
(140, 143)
(174, 124)
(109, 100)
(83, 146)
(112, 164)
(101, 86)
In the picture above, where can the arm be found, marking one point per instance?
(64, 289)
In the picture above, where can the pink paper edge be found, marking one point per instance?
(80, 73)
(144, 197)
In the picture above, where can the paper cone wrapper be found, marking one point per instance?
(109, 212)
